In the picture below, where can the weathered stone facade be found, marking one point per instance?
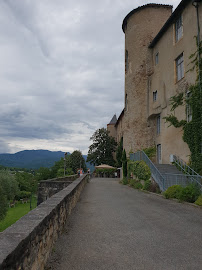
(151, 51)
(47, 188)
(27, 244)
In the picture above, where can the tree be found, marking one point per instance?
(101, 151)
(119, 153)
(9, 185)
(8, 191)
(77, 161)
(26, 182)
(3, 204)
(124, 160)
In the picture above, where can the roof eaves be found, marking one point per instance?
(169, 22)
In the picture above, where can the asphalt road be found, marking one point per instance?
(116, 227)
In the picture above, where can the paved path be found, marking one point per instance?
(116, 227)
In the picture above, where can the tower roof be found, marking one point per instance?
(140, 8)
(113, 121)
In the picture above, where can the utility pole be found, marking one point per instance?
(65, 163)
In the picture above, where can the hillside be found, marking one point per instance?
(34, 159)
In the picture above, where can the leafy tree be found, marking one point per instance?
(101, 151)
(43, 173)
(3, 204)
(26, 182)
(77, 161)
(124, 160)
(119, 153)
(9, 185)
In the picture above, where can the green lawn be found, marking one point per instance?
(16, 213)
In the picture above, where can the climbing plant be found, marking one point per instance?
(193, 128)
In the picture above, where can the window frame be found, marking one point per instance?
(157, 58)
(155, 95)
(178, 28)
(179, 66)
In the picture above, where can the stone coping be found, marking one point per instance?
(23, 235)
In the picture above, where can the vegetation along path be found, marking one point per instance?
(116, 227)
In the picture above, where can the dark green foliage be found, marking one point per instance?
(105, 172)
(3, 204)
(173, 192)
(190, 193)
(119, 153)
(147, 185)
(124, 162)
(76, 161)
(43, 174)
(138, 185)
(125, 181)
(101, 151)
(141, 170)
(130, 168)
(26, 182)
(8, 184)
(23, 194)
(150, 151)
(199, 201)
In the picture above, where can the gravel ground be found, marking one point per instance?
(116, 227)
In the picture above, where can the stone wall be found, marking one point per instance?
(47, 188)
(26, 245)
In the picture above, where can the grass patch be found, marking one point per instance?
(16, 213)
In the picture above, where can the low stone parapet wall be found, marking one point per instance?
(26, 245)
(47, 188)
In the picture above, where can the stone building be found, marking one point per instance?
(158, 44)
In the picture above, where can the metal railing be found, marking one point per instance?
(140, 155)
(169, 179)
(193, 176)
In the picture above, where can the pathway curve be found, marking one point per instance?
(116, 227)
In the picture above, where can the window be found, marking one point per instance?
(159, 153)
(156, 58)
(158, 124)
(179, 67)
(188, 108)
(126, 62)
(155, 95)
(178, 29)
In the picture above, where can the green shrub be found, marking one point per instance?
(147, 185)
(150, 151)
(190, 193)
(125, 181)
(132, 182)
(138, 185)
(141, 170)
(130, 167)
(23, 194)
(173, 192)
(199, 201)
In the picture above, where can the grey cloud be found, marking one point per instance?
(63, 69)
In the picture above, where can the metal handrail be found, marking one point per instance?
(140, 155)
(184, 166)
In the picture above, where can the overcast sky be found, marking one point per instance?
(61, 72)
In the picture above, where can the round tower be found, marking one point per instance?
(140, 26)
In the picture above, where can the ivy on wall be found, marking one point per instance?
(193, 129)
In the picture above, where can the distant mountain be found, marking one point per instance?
(34, 159)
(31, 159)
